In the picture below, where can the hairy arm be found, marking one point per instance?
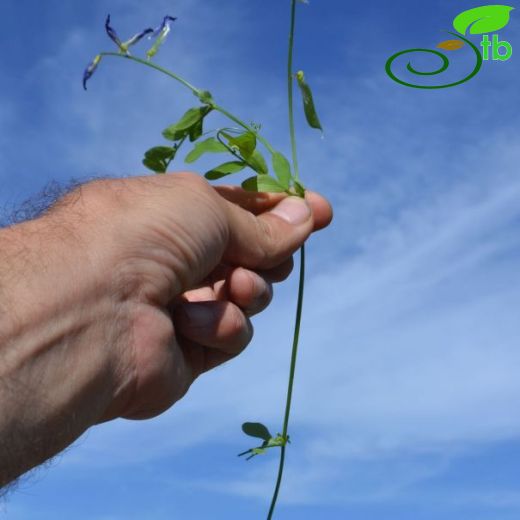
(58, 330)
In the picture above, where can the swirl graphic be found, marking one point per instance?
(441, 69)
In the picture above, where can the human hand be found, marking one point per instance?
(195, 263)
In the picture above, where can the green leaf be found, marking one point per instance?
(154, 165)
(160, 152)
(299, 188)
(282, 169)
(308, 102)
(172, 134)
(196, 130)
(246, 143)
(158, 158)
(263, 183)
(191, 117)
(485, 19)
(210, 145)
(182, 128)
(258, 163)
(225, 169)
(254, 429)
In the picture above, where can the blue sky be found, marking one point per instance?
(406, 402)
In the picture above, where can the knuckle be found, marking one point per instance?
(193, 181)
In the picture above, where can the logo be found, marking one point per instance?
(478, 21)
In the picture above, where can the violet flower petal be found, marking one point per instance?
(160, 33)
(112, 33)
(89, 71)
(165, 25)
(134, 39)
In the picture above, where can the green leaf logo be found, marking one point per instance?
(482, 20)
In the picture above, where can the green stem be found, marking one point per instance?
(290, 80)
(195, 91)
(294, 355)
(296, 337)
(299, 305)
(177, 146)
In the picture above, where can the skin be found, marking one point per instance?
(123, 293)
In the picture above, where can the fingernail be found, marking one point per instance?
(294, 210)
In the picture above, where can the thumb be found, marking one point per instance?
(266, 240)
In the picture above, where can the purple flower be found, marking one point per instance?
(160, 33)
(112, 33)
(134, 39)
(165, 25)
(123, 46)
(90, 70)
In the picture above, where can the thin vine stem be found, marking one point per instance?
(195, 91)
(301, 285)
(294, 356)
(290, 84)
